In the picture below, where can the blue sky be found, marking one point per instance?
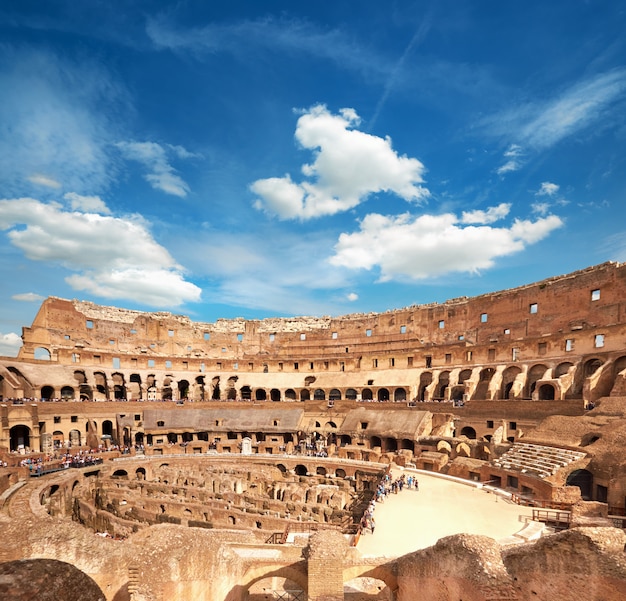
(261, 159)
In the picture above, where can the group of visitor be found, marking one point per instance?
(387, 486)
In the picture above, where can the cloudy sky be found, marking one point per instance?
(264, 158)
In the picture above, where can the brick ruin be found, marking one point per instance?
(226, 432)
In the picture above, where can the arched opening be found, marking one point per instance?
(123, 474)
(546, 392)
(275, 395)
(383, 394)
(67, 393)
(442, 385)
(42, 354)
(275, 587)
(334, 395)
(367, 589)
(246, 393)
(290, 394)
(20, 438)
(482, 388)
(47, 393)
(399, 395)
(319, 395)
(320, 470)
(376, 441)
(366, 395)
(391, 444)
(183, 389)
(407, 444)
(107, 428)
(345, 439)
(340, 473)
(535, 373)
(469, 432)
(583, 479)
(426, 379)
(351, 394)
(592, 366)
(300, 470)
(305, 394)
(260, 394)
(508, 378)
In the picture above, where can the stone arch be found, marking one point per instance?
(334, 395)
(366, 394)
(19, 437)
(592, 366)
(67, 393)
(47, 392)
(442, 385)
(300, 470)
(469, 432)
(319, 395)
(183, 389)
(305, 394)
(24, 579)
(407, 444)
(376, 441)
(583, 479)
(119, 386)
(546, 392)
(484, 379)
(562, 369)
(379, 573)
(535, 373)
(257, 574)
(426, 379)
(41, 353)
(351, 394)
(383, 394)
(260, 394)
(399, 395)
(509, 375)
(246, 393)
(275, 395)
(290, 394)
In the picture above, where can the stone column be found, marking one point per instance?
(326, 552)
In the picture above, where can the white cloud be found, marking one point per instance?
(55, 122)
(10, 344)
(541, 208)
(114, 257)
(28, 297)
(162, 176)
(491, 215)
(88, 204)
(513, 153)
(547, 189)
(432, 245)
(43, 180)
(543, 124)
(349, 165)
(352, 296)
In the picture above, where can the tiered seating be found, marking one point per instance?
(537, 460)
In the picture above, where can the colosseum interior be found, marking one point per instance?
(146, 457)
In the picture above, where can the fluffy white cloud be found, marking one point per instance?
(162, 176)
(491, 215)
(547, 189)
(88, 204)
(432, 245)
(28, 297)
(114, 257)
(10, 344)
(352, 296)
(349, 165)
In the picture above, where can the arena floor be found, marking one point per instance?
(412, 520)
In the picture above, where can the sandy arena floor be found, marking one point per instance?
(412, 520)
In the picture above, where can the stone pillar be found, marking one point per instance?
(326, 552)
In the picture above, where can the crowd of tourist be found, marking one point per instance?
(57, 461)
(386, 487)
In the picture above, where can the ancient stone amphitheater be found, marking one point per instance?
(153, 458)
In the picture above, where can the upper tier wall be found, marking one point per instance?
(575, 306)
